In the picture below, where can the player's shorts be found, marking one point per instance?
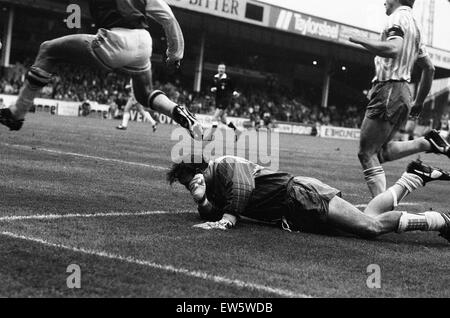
(125, 50)
(390, 101)
(308, 205)
(222, 104)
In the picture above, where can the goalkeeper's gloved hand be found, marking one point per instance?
(220, 225)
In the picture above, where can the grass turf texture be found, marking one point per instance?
(35, 181)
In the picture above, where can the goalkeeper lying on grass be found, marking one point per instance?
(230, 188)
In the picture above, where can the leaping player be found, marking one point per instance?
(132, 102)
(122, 44)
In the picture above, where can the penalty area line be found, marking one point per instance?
(86, 216)
(168, 268)
(79, 155)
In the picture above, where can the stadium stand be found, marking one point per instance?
(280, 104)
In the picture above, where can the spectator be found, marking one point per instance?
(82, 83)
(85, 108)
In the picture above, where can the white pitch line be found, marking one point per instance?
(401, 204)
(167, 268)
(85, 216)
(73, 154)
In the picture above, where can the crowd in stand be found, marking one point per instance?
(71, 84)
(278, 104)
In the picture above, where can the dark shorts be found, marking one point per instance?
(390, 101)
(308, 204)
(222, 103)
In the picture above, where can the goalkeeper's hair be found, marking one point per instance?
(189, 164)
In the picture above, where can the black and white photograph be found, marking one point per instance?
(225, 154)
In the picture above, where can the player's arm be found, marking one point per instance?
(237, 194)
(214, 86)
(395, 33)
(389, 49)
(215, 217)
(161, 13)
(208, 211)
(233, 88)
(426, 81)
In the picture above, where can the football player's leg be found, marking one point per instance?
(374, 134)
(158, 101)
(232, 125)
(146, 115)
(217, 117)
(125, 119)
(348, 218)
(154, 99)
(416, 176)
(395, 150)
(225, 121)
(223, 117)
(70, 49)
(410, 128)
(398, 112)
(387, 201)
(432, 142)
(126, 114)
(391, 198)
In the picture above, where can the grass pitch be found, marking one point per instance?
(77, 191)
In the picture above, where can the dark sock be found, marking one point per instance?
(232, 126)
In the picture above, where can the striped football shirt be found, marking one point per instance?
(244, 189)
(401, 24)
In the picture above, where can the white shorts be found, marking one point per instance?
(125, 50)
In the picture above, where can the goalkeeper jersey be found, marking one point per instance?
(239, 187)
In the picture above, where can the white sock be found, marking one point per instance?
(428, 221)
(149, 118)
(435, 221)
(126, 119)
(410, 181)
(376, 180)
